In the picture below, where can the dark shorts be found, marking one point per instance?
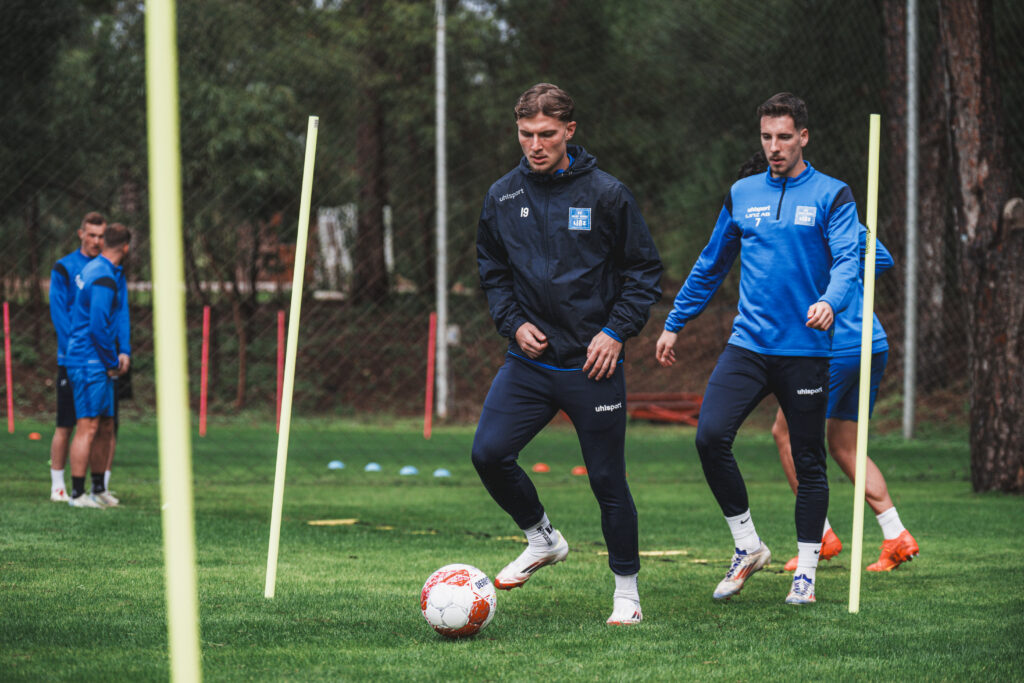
(844, 385)
(65, 399)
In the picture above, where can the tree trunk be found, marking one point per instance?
(370, 277)
(35, 282)
(991, 248)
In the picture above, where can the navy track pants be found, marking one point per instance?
(524, 397)
(740, 380)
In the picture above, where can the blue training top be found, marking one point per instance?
(63, 287)
(798, 239)
(846, 341)
(94, 316)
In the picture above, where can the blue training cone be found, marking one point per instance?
(407, 470)
(371, 467)
(335, 465)
(442, 472)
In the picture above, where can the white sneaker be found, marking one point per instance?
(743, 565)
(107, 499)
(59, 496)
(86, 500)
(625, 612)
(802, 592)
(519, 571)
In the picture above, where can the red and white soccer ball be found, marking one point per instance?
(458, 600)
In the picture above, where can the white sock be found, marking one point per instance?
(827, 527)
(743, 532)
(890, 523)
(626, 587)
(106, 480)
(807, 559)
(56, 480)
(541, 534)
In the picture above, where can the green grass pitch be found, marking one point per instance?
(82, 597)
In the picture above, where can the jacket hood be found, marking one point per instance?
(582, 162)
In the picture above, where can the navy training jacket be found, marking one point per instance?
(568, 252)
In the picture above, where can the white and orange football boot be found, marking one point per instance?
(518, 571)
(743, 565)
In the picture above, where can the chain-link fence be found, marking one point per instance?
(666, 93)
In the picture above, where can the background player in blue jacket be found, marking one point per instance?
(898, 545)
(796, 229)
(62, 296)
(93, 363)
(570, 272)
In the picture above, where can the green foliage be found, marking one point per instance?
(89, 582)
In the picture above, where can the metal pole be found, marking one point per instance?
(910, 293)
(442, 220)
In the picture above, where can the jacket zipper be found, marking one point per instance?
(778, 211)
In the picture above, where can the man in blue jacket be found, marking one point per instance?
(796, 229)
(62, 296)
(898, 545)
(93, 364)
(570, 272)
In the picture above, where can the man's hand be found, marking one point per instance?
(665, 352)
(531, 340)
(124, 361)
(602, 356)
(113, 373)
(820, 316)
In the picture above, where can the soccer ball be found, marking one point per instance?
(458, 600)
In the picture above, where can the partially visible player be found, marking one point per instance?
(93, 365)
(62, 296)
(795, 230)
(122, 383)
(898, 545)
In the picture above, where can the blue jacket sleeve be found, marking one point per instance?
(883, 259)
(60, 306)
(496, 275)
(843, 234)
(124, 332)
(639, 267)
(102, 321)
(707, 274)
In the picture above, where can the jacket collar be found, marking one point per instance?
(790, 182)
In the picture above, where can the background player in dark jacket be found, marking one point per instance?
(570, 272)
(62, 296)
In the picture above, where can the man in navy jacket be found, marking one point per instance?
(570, 272)
(796, 229)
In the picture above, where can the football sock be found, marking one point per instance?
(743, 532)
(56, 480)
(626, 587)
(106, 480)
(540, 534)
(77, 486)
(890, 523)
(827, 527)
(97, 483)
(807, 559)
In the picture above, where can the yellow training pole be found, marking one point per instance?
(864, 403)
(291, 349)
(167, 262)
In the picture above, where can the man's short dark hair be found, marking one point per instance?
(785, 104)
(116, 235)
(752, 166)
(547, 99)
(93, 218)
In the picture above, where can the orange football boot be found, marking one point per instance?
(895, 552)
(830, 547)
